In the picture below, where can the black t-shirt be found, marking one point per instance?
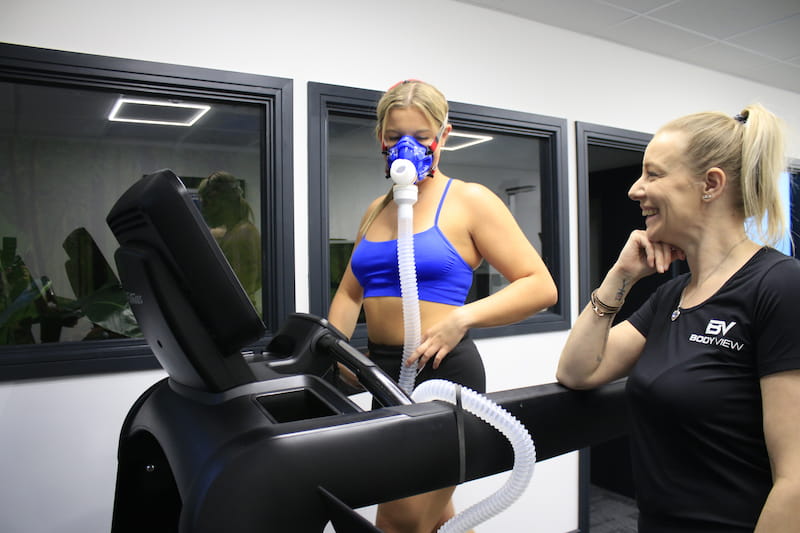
(699, 457)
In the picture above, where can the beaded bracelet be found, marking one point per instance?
(600, 308)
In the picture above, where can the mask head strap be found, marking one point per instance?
(435, 143)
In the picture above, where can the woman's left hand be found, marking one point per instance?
(438, 341)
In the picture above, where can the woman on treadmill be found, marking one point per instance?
(456, 226)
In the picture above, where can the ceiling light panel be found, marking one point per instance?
(156, 112)
(472, 140)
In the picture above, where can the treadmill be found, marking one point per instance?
(268, 442)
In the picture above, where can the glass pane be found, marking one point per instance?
(508, 164)
(63, 163)
(785, 243)
(794, 210)
(356, 176)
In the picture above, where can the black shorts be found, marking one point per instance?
(463, 365)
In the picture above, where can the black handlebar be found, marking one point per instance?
(375, 380)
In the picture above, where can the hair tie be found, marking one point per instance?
(740, 118)
(403, 82)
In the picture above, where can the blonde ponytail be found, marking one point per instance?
(763, 161)
(369, 218)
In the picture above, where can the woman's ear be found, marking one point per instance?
(445, 134)
(715, 183)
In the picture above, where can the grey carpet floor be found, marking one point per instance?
(611, 512)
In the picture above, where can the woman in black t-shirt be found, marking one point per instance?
(713, 357)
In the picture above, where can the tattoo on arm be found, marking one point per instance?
(620, 296)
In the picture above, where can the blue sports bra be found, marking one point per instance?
(442, 274)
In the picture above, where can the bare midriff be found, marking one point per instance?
(385, 318)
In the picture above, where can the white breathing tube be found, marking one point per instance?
(514, 431)
(404, 175)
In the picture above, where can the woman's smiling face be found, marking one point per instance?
(667, 192)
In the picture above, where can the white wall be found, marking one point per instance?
(58, 437)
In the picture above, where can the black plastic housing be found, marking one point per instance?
(190, 305)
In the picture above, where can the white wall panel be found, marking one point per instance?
(58, 437)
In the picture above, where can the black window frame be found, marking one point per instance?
(324, 99)
(793, 168)
(587, 134)
(71, 69)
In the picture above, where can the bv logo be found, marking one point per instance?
(715, 327)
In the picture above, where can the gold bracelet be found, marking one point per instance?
(602, 309)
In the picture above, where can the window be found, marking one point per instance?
(609, 160)
(75, 132)
(523, 162)
(794, 207)
(785, 243)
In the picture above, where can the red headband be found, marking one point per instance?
(402, 82)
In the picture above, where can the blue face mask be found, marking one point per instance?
(410, 149)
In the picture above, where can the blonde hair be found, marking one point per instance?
(750, 149)
(223, 187)
(407, 93)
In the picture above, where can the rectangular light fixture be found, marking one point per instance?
(475, 139)
(156, 112)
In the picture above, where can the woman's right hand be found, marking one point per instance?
(347, 376)
(641, 257)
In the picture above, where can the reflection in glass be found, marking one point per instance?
(231, 221)
(62, 166)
